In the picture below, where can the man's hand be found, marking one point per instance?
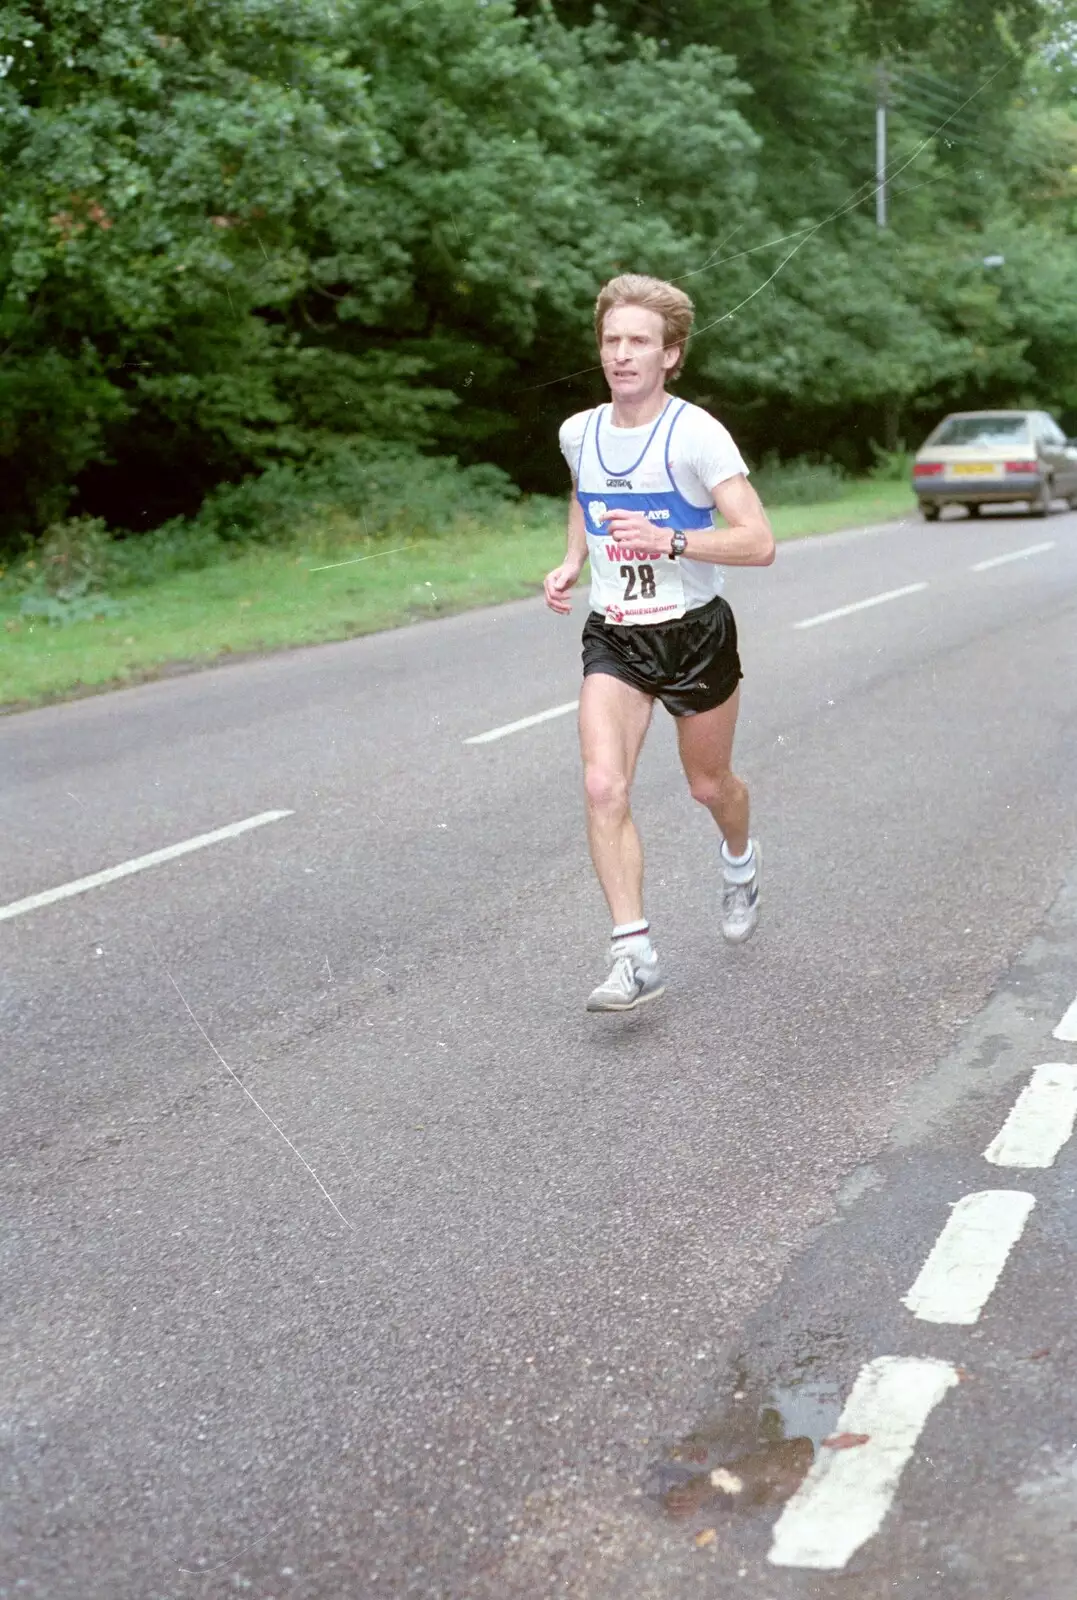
(557, 585)
(635, 532)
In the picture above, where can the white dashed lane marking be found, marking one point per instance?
(860, 605)
(1013, 555)
(1040, 1122)
(956, 1280)
(156, 858)
(1067, 1028)
(847, 1493)
(524, 722)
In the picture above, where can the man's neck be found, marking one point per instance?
(638, 414)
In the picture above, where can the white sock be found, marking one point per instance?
(632, 938)
(738, 869)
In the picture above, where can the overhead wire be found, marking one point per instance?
(803, 235)
(1014, 148)
(842, 210)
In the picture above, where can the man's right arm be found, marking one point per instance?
(563, 578)
(576, 552)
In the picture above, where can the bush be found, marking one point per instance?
(66, 581)
(800, 482)
(74, 556)
(891, 466)
(373, 492)
(141, 559)
(390, 491)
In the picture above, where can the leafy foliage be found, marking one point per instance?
(65, 583)
(801, 482)
(255, 238)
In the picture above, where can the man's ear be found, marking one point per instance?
(670, 356)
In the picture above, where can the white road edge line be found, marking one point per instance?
(156, 858)
(1013, 555)
(842, 1502)
(524, 722)
(966, 1261)
(1067, 1028)
(860, 605)
(1041, 1121)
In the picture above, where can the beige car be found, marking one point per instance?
(979, 458)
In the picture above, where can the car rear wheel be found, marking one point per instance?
(1041, 506)
(929, 512)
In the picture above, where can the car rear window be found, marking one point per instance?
(981, 430)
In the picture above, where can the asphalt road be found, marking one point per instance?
(344, 1255)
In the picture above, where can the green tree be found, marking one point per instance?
(235, 234)
(246, 235)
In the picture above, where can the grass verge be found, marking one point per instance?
(273, 598)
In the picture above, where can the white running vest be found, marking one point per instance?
(628, 586)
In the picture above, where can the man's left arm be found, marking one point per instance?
(746, 541)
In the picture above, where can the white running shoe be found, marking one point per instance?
(632, 980)
(740, 903)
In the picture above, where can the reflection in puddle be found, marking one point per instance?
(766, 1477)
(754, 1452)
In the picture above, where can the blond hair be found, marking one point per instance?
(653, 294)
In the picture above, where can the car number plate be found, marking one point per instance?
(975, 469)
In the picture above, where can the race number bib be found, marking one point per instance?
(632, 586)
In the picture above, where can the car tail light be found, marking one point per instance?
(1022, 466)
(926, 469)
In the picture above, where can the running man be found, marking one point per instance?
(648, 471)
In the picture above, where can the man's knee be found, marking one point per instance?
(715, 789)
(607, 790)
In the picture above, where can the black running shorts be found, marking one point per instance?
(690, 663)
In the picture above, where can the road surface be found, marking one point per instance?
(346, 1257)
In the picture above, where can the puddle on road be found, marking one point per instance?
(753, 1451)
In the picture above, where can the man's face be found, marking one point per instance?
(633, 359)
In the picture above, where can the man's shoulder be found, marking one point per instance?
(570, 436)
(697, 420)
(705, 445)
(573, 427)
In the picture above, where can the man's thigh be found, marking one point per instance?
(705, 741)
(614, 718)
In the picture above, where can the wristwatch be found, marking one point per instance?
(678, 543)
